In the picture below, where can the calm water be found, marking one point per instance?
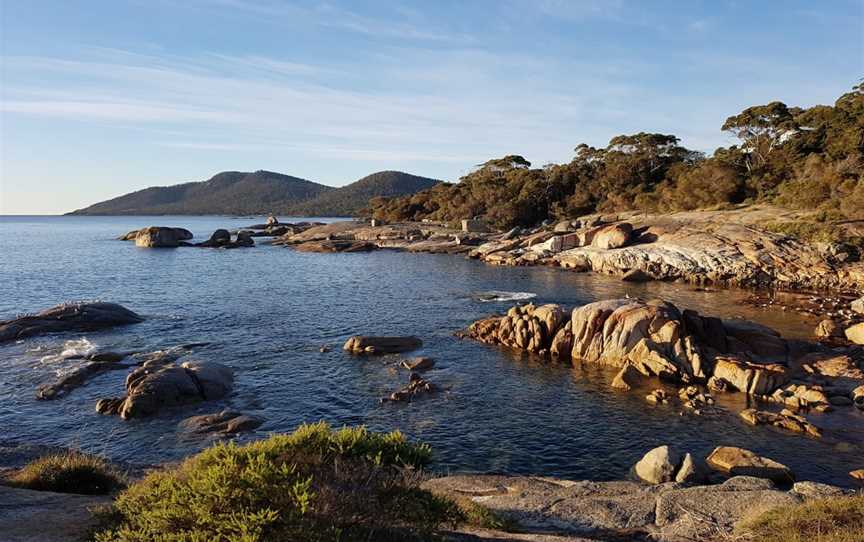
(267, 310)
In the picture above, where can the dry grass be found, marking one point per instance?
(838, 519)
(69, 472)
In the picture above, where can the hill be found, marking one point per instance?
(351, 199)
(260, 192)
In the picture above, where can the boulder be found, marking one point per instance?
(418, 364)
(526, 327)
(158, 384)
(636, 275)
(751, 378)
(157, 237)
(858, 305)
(180, 234)
(858, 474)
(857, 397)
(272, 221)
(828, 329)
(474, 226)
(830, 364)
(659, 465)
(612, 236)
(564, 226)
(691, 471)
(362, 344)
(221, 423)
(626, 378)
(244, 240)
(81, 316)
(740, 462)
(855, 333)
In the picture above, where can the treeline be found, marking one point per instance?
(798, 158)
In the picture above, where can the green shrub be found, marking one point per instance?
(71, 472)
(839, 519)
(314, 484)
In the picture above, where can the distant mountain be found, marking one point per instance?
(229, 192)
(349, 200)
(261, 192)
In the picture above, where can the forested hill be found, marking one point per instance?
(350, 200)
(260, 192)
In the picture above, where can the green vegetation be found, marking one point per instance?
(70, 472)
(811, 159)
(839, 519)
(314, 484)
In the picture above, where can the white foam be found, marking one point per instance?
(496, 296)
(71, 348)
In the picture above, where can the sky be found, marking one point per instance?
(100, 98)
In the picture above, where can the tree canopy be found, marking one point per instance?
(800, 158)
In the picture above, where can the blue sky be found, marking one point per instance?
(103, 97)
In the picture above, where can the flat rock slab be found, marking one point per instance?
(706, 512)
(43, 516)
(555, 506)
(620, 510)
(68, 317)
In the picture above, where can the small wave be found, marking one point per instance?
(495, 296)
(71, 349)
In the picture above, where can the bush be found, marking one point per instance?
(70, 472)
(314, 484)
(839, 519)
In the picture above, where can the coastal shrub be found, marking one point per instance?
(838, 519)
(69, 472)
(314, 484)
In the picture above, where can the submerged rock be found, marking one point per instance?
(784, 420)
(362, 344)
(418, 364)
(82, 316)
(417, 385)
(221, 423)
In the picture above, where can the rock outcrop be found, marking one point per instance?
(336, 246)
(82, 316)
(161, 383)
(785, 419)
(655, 338)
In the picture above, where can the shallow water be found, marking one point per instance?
(266, 311)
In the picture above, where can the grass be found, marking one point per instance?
(69, 472)
(838, 519)
(315, 484)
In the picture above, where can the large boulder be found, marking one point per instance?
(747, 377)
(612, 236)
(659, 465)
(855, 333)
(82, 316)
(181, 234)
(159, 237)
(158, 384)
(740, 462)
(363, 344)
(828, 329)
